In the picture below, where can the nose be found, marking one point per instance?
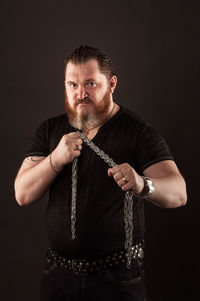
(81, 92)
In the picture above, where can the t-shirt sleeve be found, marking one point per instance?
(39, 145)
(151, 148)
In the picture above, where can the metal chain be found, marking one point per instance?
(97, 150)
(74, 195)
(128, 220)
(128, 200)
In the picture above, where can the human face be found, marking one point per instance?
(88, 93)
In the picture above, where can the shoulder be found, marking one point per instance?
(135, 125)
(132, 119)
(126, 113)
(62, 118)
(59, 121)
(53, 126)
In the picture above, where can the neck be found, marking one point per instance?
(86, 131)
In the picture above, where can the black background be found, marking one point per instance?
(155, 48)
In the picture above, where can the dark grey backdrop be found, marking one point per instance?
(155, 47)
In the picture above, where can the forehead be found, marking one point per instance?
(88, 70)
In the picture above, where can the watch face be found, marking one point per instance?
(150, 186)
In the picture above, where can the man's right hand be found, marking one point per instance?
(68, 148)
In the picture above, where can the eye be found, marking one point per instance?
(91, 84)
(72, 85)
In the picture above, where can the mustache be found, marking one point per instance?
(85, 100)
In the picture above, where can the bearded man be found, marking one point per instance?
(100, 163)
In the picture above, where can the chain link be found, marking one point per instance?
(128, 200)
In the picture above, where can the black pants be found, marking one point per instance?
(117, 284)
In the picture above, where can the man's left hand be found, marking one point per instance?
(127, 178)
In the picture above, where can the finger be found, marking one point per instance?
(74, 135)
(77, 153)
(119, 175)
(77, 147)
(126, 187)
(115, 169)
(122, 181)
(127, 184)
(110, 172)
(77, 150)
(77, 141)
(130, 185)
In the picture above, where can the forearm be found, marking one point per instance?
(170, 188)
(170, 191)
(32, 184)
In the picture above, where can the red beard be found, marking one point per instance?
(86, 120)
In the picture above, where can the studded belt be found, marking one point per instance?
(85, 266)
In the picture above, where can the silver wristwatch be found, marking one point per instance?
(148, 188)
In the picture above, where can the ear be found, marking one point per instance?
(113, 83)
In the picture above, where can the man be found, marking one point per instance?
(90, 256)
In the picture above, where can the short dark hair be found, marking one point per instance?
(85, 53)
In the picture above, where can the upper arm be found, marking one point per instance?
(151, 149)
(162, 169)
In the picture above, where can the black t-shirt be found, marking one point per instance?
(100, 202)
